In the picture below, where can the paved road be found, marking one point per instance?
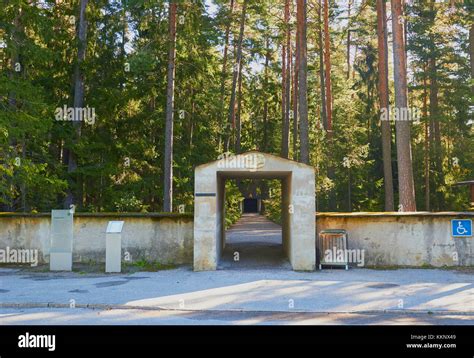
(254, 290)
(274, 292)
(80, 316)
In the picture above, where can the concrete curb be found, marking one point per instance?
(101, 306)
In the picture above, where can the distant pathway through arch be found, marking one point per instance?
(258, 242)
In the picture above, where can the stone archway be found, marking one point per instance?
(297, 196)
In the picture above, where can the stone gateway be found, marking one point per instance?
(298, 206)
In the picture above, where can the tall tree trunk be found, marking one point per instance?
(327, 69)
(78, 103)
(427, 145)
(238, 132)
(327, 66)
(471, 55)
(384, 103)
(224, 69)
(356, 51)
(123, 52)
(284, 123)
(264, 147)
(286, 79)
(404, 156)
(321, 69)
(295, 101)
(191, 120)
(436, 135)
(302, 82)
(292, 110)
(265, 97)
(235, 77)
(168, 165)
(288, 69)
(348, 43)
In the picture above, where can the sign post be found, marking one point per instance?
(60, 253)
(113, 246)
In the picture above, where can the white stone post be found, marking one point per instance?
(113, 247)
(60, 253)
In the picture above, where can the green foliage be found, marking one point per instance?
(120, 157)
(273, 205)
(129, 203)
(233, 200)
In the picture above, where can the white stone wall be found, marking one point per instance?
(388, 239)
(403, 239)
(167, 239)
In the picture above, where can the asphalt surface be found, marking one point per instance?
(256, 289)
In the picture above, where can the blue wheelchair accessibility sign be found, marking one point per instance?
(461, 228)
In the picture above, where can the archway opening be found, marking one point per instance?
(255, 237)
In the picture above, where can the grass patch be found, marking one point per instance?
(150, 266)
(95, 267)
